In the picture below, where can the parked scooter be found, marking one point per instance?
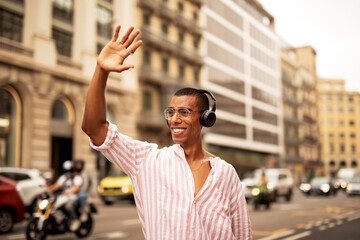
(261, 195)
(52, 218)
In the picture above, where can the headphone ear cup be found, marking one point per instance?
(208, 118)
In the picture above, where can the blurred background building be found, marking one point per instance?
(242, 69)
(300, 99)
(339, 125)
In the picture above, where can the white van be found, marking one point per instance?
(344, 175)
(280, 181)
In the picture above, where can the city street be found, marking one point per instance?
(303, 218)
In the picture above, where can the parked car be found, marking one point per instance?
(116, 186)
(12, 208)
(353, 187)
(248, 182)
(319, 186)
(344, 175)
(29, 184)
(280, 181)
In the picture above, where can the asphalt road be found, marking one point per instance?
(303, 218)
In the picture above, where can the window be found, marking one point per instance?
(195, 16)
(62, 28)
(352, 123)
(340, 110)
(343, 163)
(147, 100)
(340, 99)
(165, 64)
(352, 135)
(63, 41)
(329, 109)
(181, 71)
(331, 135)
(63, 10)
(351, 110)
(354, 163)
(104, 16)
(331, 147)
(332, 163)
(342, 135)
(196, 76)
(146, 57)
(181, 37)
(10, 124)
(350, 99)
(180, 7)
(342, 148)
(196, 43)
(353, 148)
(328, 98)
(11, 25)
(164, 28)
(146, 19)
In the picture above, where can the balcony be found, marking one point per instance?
(291, 100)
(292, 120)
(157, 40)
(189, 54)
(160, 78)
(166, 12)
(148, 4)
(189, 25)
(153, 120)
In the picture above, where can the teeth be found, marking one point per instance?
(176, 130)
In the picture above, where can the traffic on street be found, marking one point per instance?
(304, 217)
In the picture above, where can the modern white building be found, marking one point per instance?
(242, 69)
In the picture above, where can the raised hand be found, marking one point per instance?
(113, 55)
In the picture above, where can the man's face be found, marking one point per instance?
(185, 130)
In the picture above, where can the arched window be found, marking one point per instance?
(342, 163)
(354, 163)
(10, 124)
(332, 163)
(62, 117)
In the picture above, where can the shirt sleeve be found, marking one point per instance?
(78, 180)
(126, 153)
(61, 180)
(239, 214)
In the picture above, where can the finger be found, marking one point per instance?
(135, 46)
(132, 37)
(116, 33)
(124, 67)
(126, 36)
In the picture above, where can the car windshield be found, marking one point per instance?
(116, 172)
(355, 180)
(319, 181)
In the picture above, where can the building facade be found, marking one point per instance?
(242, 69)
(48, 52)
(300, 99)
(339, 126)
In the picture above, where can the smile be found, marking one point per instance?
(178, 130)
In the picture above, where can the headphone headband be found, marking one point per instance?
(213, 107)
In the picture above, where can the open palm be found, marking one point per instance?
(113, 55)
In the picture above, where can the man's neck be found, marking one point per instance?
(194, 152)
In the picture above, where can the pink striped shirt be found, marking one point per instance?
(164, 189)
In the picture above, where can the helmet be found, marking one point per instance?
(79, 165)
(67, 166)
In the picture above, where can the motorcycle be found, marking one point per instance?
(52, 218)
(261, 195)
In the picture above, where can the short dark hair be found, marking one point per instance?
(201, 99)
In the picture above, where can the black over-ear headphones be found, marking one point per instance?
(208, 117)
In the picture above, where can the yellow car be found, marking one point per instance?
(116, 186)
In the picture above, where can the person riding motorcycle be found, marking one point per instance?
(71, 184)
(84, 189)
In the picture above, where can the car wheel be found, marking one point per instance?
(6, 221)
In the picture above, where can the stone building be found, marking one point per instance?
(339, 115)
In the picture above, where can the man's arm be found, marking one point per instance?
(110, 59)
